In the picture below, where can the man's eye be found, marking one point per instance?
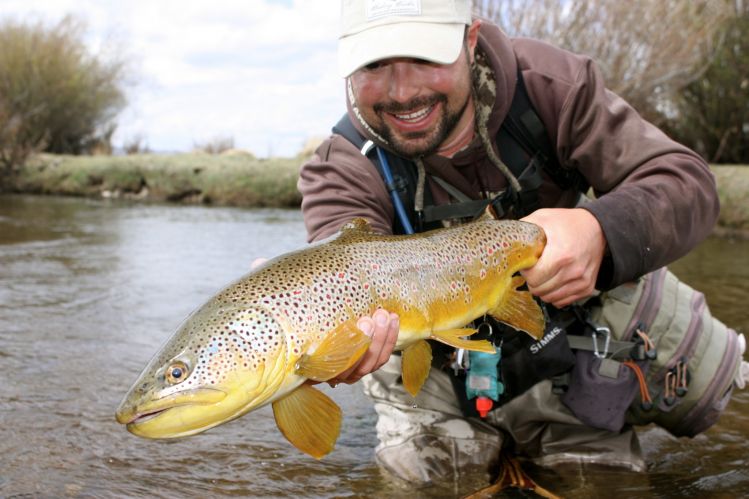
(372, 66)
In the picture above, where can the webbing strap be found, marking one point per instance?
(617, 349)
(465, 208)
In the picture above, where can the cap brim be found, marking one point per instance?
(440, 43)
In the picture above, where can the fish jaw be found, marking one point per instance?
(153, 414)
(161, 418)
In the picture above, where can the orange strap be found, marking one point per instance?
(644, 393)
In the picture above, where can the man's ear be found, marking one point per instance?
(472, 37)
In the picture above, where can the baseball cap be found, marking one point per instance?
(372, 30)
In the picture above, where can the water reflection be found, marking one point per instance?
(88, 291)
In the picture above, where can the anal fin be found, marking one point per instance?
(308, 419)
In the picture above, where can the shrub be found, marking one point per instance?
(217, 145)
(712, 113)
(54, 94)
(648, 50)
(136, 145)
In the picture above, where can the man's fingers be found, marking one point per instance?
(379, 331)
(382, 328)
(391, 326)
(541, 277)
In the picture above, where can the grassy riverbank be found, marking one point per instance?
(733, 189)
(228, 179)
(242, 180)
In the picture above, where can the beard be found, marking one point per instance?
(412, 145)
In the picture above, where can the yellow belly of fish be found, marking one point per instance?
(446, 312)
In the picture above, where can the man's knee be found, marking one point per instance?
(429, 458)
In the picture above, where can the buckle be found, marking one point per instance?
(600, 330)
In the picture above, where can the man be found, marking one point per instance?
(428, 83)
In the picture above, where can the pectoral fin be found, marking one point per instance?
(453, 338)
(308, 419)
(338, 351)
(520, 311)
(416, 362)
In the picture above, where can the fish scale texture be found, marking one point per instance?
(424, 278)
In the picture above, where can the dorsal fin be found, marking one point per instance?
(357, 224)
(355, 229)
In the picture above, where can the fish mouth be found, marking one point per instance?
(134, 414)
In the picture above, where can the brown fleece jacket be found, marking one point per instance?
(655, 199)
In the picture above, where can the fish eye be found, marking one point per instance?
(176, 372)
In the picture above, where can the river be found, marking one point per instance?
(90, 289)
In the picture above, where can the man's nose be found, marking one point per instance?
(403, 83)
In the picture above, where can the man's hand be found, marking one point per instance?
(569, 265)
(382, 327)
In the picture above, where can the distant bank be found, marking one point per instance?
(242, 180)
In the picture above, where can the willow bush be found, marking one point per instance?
(648, 50)
(55, 95)
(712, 113)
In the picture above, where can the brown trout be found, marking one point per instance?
(293, 319)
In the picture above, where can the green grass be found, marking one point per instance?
(242, 180)
(235, 180)
(733, 190)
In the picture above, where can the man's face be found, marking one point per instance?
(414, 104)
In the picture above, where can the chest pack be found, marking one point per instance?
(644, 352)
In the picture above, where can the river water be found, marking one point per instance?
(90, 289)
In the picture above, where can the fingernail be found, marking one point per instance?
(381, 318)
(366, 327)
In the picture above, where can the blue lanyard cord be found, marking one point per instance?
(400, 211)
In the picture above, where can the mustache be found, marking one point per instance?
(415, 103)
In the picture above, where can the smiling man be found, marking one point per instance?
(436, 91)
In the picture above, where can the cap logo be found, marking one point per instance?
(377, 9)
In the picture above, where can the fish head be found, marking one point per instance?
(221, 363)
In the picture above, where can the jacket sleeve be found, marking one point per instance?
(654, 198)
(338, 184)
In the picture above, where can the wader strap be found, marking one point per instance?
(524, 127)
(464, 208)
(623, 350)
(405, 177)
